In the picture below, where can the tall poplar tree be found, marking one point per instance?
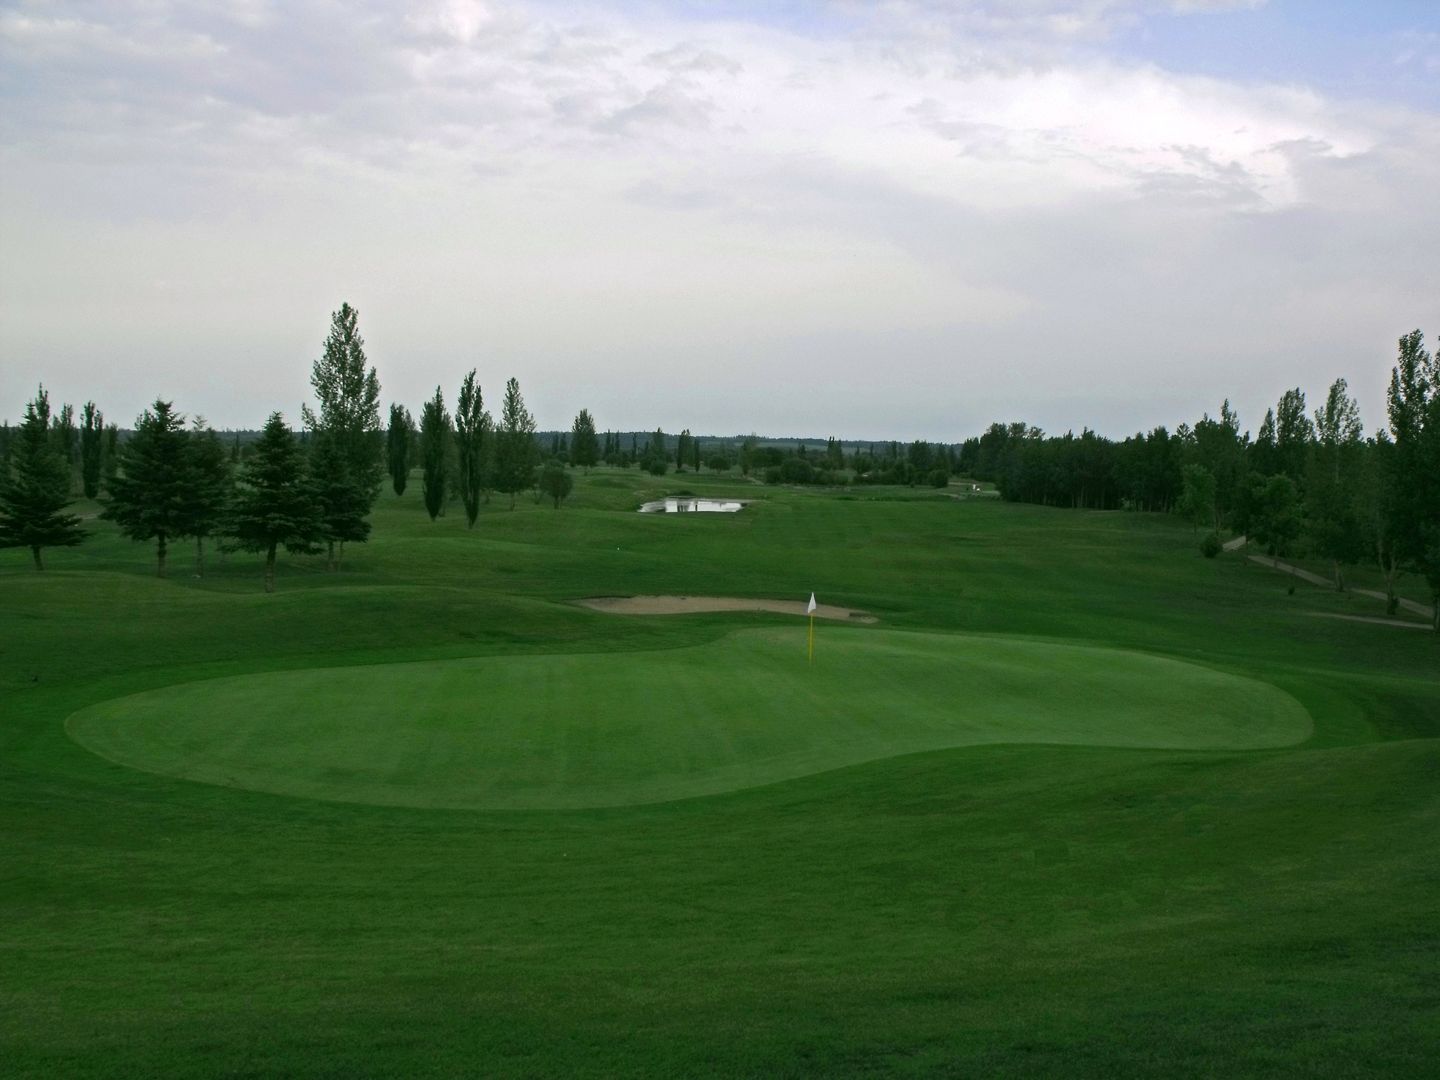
(92, 435)
(514, 444)
(398, 438)
(35, 488)
(1332, 507)
(275, 502)
(345, 434)
(1414, 409)
(148, 499)
(208, 486)
(110, 455)
(67, 440)
(434, 435)
(472, 427)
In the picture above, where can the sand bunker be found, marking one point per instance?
(683, 605)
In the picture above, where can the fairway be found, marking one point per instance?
(594, 730)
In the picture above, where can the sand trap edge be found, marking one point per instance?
(686, 605)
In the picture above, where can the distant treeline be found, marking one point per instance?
(1303, 482)
(1316, 483)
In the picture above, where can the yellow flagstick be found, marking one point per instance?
(810, 610)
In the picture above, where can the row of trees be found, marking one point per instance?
(87, 452)
(315, 493)
(167, 482)
(469, 455)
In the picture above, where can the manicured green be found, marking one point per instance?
(1214, 899)
(604, 730)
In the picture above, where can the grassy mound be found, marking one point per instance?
(568, 730)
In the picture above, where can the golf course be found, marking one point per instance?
(1071, 800)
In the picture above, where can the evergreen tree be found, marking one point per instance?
(344, 500)
(35, 488)
(398, 438)
(584, 450)
(207, 488)
(148, 499)
(349, 422)
(276, 504)
(472, 426)
(514, 445)
(434, 434)
(92, 432)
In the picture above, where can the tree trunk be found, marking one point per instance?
(1339, 577)
(35, 550)
(340, 555)
(270, 569)
(199, 556)
(160, 555)
(1387, 568)
(330, 555)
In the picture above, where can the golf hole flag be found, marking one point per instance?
(810, 610)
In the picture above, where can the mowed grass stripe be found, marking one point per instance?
(569, 731)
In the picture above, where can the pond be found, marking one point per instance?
(684, 504)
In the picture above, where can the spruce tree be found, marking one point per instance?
(92, 434)
(276, 504)
(344, 501)
(148, 499)
(472, 426)
(434, 434)
(35, 488)
(584, 445)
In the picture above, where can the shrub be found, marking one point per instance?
(1211, 546)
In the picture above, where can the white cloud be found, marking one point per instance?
(549, 191)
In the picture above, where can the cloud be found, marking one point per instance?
(581, 193)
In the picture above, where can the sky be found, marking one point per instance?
(891, 220)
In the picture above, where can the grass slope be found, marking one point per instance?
(991, 910)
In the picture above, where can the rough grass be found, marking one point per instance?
(1000, 910)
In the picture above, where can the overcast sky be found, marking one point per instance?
(873, 220)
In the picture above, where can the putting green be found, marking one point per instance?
(624, 728)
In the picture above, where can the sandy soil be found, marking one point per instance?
(681, 605)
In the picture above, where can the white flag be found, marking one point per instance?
(810, 610)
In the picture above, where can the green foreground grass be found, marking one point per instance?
(1179, 893)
